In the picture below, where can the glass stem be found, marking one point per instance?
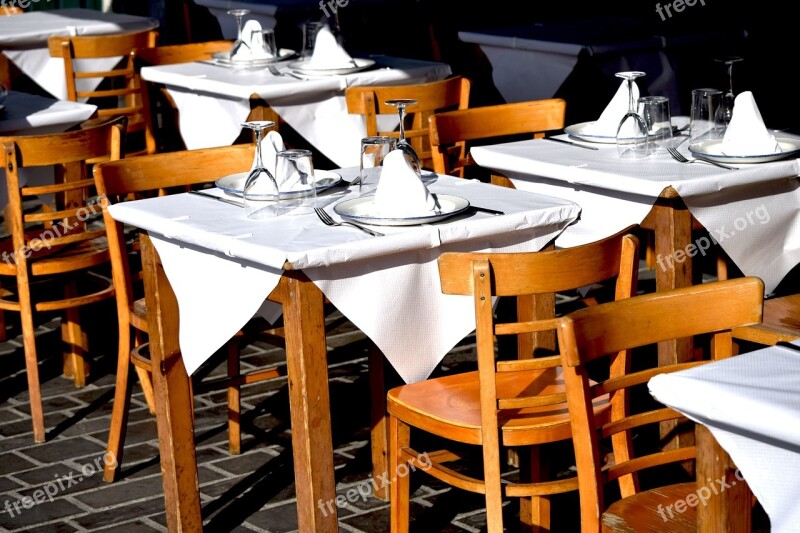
(402, 111)
(259, 161)
(631, 109)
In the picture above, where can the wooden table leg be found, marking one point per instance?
(725, 500)
(673, 234)
(173, 397)
(309, 400)
(379, 416)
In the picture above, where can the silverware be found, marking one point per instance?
(486, 210)
(677, 156)
(328, 221)
(571, 143)
(275, 72)
(217, 198)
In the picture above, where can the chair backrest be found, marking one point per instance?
(444, 95)
(485, 275)
(450, 132)
(37, 233)
(618, 327)
(11, 10)
(157, 175)
(163, 117)
(120, 91)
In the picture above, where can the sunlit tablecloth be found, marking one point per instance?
(23, 39)
(751, 212)
(751, 404)
(387, 286)
(213, 101)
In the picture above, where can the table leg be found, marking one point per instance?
(379, 433)
(309, 400)
(673, 233)
(173, 397)
(727, 499)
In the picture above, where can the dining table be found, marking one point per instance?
(748, 212)
(749, 404)
(23, 42)
(213, 100)
(387, 286)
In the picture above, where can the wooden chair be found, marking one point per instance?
(613, 330)
(55, 248)
(444, 95)
(157, 175)
(6, 67)
(508, 402)
(163, 114)
(11, 10)
(781, 322)
(451, 132)
(121, 90)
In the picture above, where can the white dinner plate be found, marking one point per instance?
(224, 59)
(579, 131)
(712, 150)
(363, 210)
(234, 183)
(361, 64)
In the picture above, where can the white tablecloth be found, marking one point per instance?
(752, 212)
(213, 101)
(751, 404)
(23, 39)
(387, 286)
(27, 114)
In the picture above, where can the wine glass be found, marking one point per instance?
(632, 138)
(402, 142)
(725, 111)
(239, 43)
(260, 193)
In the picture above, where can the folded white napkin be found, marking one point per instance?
(746, 133)
(328, 53)
(400, 191)
(271, 144)
(255, 49)
(609, 119)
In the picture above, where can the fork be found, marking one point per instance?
(328, 221)
(275, 72)
(677, 156)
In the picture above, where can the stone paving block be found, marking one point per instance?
(129, 527)
(10, 415)
(39, 513)
(121, 492)
(108, 517)
(56, 527)
(61, 448)
(11, 462)
(7, 485)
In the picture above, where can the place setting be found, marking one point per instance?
(254, 46)
(324, 55)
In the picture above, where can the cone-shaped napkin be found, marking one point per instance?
(611, 116)
(328, 54)
(400, 191)
(252, 36)
(746, 133)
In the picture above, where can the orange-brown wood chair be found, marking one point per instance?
(58, 246)
(781, 322)
(148, 176)
(6, 67)
(514, 403)
(451, 132)
(444, 95)
(121, 91)
(614, 330)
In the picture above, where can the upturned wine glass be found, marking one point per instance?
(632, 138)
(261, 194)
(725, 111)
(239, 43)
(402, 142)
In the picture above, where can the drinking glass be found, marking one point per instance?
(239, 43)
(655, 111)
(268, 44)
(705, 103)
(294, 172)
(373, 152)
(725, 111)
(261, 194)
(633, 141)
(310, 30)
(402, 143)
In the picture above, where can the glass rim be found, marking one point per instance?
(294, 153)
(706, 91)
(653, 99)
(378, 139)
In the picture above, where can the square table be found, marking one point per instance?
(387, 286)
(750, 403)
(214, 100)
(23, 41)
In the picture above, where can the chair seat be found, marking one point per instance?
(450, 407)
(59, 259)
(138, 316)
(653, 510)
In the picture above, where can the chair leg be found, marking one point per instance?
(234, 401)
(73, 339)
(31, 366)
(399, 437)
(145, 380)
(534, 512)
(379, 438)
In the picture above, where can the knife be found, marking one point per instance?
(571, 143)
